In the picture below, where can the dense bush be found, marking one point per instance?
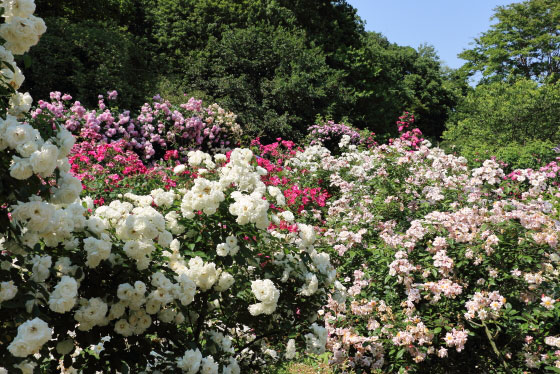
(157, 128)
(440, 267)
(88, 58)
(177, 279)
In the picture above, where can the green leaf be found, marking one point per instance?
(27, 61)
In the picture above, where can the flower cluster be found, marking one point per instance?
(157, 128)
(158, 259)
(337, 136)
(431, 254)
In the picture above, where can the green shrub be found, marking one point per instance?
(86, 59)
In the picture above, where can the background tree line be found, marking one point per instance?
(279, 64)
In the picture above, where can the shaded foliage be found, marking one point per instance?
(277, 63)
(387, 78)
(86, 59)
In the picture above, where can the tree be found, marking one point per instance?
(386, 79)
(268, 75)
(524, 42)
(518, 123)
(89, 58)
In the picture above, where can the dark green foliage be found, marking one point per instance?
(268, 76)
(387, 79)
(278, 64)
(88, 58)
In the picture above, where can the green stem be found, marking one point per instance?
(495, 349)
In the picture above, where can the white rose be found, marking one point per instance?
(179, 169)
(18, 8)
(31, 336)
(190, 362)
(20, 168)
(44, 160)
(7, 291)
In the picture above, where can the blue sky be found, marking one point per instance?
(448, 25)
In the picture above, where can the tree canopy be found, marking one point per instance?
(279, 64)
(524, 42)
(517, 122)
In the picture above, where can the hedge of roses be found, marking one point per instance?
(440, 267)
(146, 245)
(157, 128)
(185, 279)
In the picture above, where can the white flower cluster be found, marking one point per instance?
(192, 361)
(33, 155)
(198, 158)
(276, 193)
(553, 341)
(240, 172)
(40, 269)
(249, 205)
(250, 209)
(309, 158)
(307, 235)
(205, 195)
(489, 172)
(31, 336)
(97, 250)
(8, 291)
(137, 226)
(163, 198)
(37, 156)
(229, 247)
(317, 340)
(222, 341)
(291, 349)
(63, 298)
(205, 275)
(344, 141)
(91, 313)
(266, 292)
(13, 77)
(21, 29)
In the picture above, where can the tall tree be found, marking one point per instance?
(268, 76)
(524, 42)
(386, 79)
(517, 122)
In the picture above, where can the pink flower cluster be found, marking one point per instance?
(484, 305)
(456, 338)
(158, 127)
(412, 138)
(89, 160)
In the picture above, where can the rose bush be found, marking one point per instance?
(178, 280)
(440, 266)
(156, 128)
(135, 250)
